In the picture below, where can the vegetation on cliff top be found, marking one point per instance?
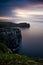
(17, 59)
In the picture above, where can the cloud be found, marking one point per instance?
(7, 5)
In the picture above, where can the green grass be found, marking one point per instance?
(4, 48)
(16, 59)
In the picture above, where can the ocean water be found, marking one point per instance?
(32, 40)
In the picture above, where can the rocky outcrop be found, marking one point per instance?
(23, 25)
(11, 37)
(10, 24)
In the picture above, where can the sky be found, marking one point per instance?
(21, 10)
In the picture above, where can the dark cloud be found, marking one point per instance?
(21, 0)
(17, 3)
(10, 3)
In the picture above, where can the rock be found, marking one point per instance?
(10, 24)
(23, 25)
(11, 37)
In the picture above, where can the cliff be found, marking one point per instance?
(10, 37)
(10, 24)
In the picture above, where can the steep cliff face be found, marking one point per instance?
(11, 37)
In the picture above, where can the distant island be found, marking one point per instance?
(10, 24)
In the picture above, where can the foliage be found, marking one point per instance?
(16, 59)
(4, 48)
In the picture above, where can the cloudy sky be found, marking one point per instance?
(21, 10)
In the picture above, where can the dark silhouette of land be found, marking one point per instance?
(10, 24)
(11, 37)
(10, 34)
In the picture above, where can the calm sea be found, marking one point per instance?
(32, 40)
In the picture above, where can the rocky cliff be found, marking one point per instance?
(10, 24)
(11, 37)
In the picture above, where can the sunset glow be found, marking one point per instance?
(6, 18)
(20, 13)
(25, 13)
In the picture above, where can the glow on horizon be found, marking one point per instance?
(25, 13)
(6, 18)
(31, 9)
(20, 13)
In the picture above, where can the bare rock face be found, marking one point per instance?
(11, 37)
